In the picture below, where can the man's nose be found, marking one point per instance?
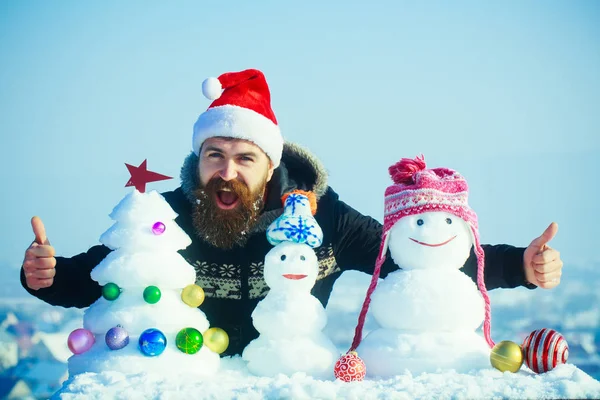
(229, 171)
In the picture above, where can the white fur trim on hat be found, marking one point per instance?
(241, 123)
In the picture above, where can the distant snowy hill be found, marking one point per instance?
(11, 287)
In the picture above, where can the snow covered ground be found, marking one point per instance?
(563, 382)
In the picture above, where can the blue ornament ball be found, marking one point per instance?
(116, 338)
(152, 342)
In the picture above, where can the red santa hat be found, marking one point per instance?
(241, 109)
(417, 190)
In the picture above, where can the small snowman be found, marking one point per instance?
(429, 310)
(289, 319)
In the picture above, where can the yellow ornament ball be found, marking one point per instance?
(216, 339)
(507, 356)
(192, 295)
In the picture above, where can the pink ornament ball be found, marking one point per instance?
(350, 368)
(158, 228)
(80, 341)
(544, 349)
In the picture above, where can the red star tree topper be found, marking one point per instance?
(140, 176)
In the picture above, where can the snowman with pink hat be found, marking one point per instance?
(429, 311)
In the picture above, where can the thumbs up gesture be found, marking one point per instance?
(542, 263)
(39, 261)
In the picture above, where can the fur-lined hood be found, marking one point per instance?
(299, 169)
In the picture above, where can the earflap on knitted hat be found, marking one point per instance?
(241, 109)
(418, 190)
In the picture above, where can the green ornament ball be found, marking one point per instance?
(152, 294)
(111, 291)
(189, 340)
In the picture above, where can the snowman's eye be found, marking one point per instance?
(448, 221)
(302, 258)
(283, 257)
(420, 222)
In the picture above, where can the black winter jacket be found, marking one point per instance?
(233, 279)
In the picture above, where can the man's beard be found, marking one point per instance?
(226, 228)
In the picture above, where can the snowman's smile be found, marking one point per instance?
(294, 277)
(435, 244)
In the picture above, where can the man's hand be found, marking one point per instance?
(39, 260)
(543, 266)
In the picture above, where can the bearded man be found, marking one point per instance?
(231, 189)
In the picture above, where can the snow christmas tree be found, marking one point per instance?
(147, 319)
(430, 229)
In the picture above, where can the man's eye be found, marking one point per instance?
(245, 158)
(215, 155)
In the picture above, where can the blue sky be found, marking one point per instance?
(507, 93)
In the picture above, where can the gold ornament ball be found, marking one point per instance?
(507, 356)
(216, 339)
(192, 295)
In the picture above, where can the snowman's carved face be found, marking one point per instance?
(291, 267)
(430, 240)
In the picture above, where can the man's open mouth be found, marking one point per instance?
(227, 199)
(433, 245)
(294, 277)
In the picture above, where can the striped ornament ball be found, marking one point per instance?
(544, 349)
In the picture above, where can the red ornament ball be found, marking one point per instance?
(350, 368)
(544, 349)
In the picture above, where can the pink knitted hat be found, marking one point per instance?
(417, 190)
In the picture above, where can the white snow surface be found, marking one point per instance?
(428, 300)
(126, 268)
(234, 382)
(137, 206)
(132, 313)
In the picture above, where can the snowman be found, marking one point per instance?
(429, 310)
(289, 319)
